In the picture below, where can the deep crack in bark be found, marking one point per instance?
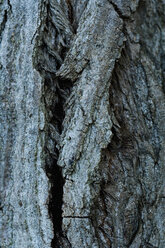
(51, 47)
(3, 24)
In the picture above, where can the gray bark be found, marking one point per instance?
(82, 113)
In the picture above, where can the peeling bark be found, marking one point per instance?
(82, 131)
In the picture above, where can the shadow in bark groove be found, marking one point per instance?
(57, 90)
(55, 204)
(51, 47)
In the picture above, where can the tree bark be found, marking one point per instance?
(82, 115)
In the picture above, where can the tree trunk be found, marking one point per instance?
(82, 114)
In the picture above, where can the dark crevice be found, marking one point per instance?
(9, 4)
(5, 18)
(70, 11)
(3, 24)
(60, 90)
(55, 202)
(118, 11)
(163, 70)
(51, 47)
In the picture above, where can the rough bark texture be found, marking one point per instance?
(82, 113)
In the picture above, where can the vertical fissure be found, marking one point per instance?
(55, 95)
(3, 24)
(52, 43)
(53, 171)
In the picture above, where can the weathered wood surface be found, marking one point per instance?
(82, 113)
